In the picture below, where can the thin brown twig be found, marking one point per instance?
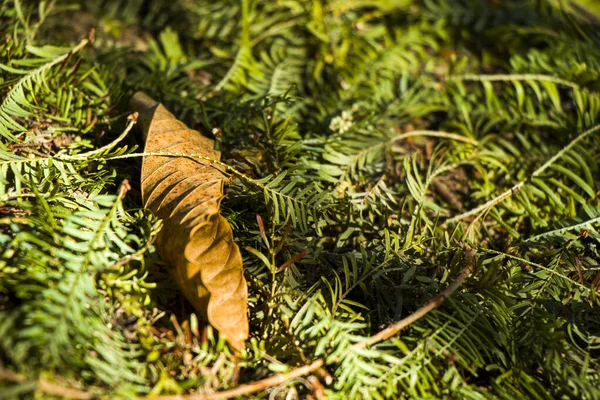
(317, 387)
(251, 387)
(46, 386)
(278, 379)
(470, 261)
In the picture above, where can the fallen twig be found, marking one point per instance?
(471, 262)
(46, 386)
(251, 387)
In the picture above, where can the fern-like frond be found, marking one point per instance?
(59, 254)
(33, 72)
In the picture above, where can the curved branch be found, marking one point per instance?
(470, 261)
(249, 388)
(46, 386)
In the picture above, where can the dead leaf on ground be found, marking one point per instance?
(196, 240)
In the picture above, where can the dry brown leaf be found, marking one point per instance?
(196, 240)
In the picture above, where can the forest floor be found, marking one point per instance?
(391, 199)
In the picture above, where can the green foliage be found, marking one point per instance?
(60, 317)
(367, 141)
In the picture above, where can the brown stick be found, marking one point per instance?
(253, 387)
(471, 261)
(46, 386)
